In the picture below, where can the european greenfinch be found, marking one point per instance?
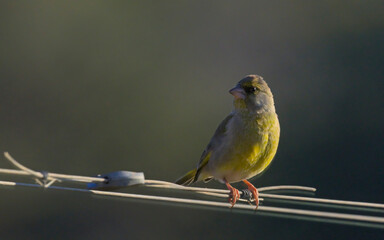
(245, 142)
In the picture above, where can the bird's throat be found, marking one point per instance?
(239, 104)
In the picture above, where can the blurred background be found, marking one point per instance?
(91, 87)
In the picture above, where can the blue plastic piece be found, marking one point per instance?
(116, 180)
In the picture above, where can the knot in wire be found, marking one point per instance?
(41, 178)
(45, 174)
(45, 180)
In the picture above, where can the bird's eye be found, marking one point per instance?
(251, 89)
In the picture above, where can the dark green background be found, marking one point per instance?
(91, 87)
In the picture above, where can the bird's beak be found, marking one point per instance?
(237, 92)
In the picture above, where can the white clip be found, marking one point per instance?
(119, 179)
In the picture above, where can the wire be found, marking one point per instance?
(47, 179)
(353, 219)
(61, 177)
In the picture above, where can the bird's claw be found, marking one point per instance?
(234, 195)
(253, 192)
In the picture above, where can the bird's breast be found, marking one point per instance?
(249, 147)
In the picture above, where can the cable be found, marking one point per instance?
(121, 179)
(352, 219)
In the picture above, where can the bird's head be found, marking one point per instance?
(253, 94)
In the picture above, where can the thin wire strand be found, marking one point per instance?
(323, 200)
(157, 183)
(23, 168)
(264, 195)
(53, 177)
(29, 172)
(352, 219)
(45, 179)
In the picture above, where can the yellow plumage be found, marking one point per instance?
(245, 142)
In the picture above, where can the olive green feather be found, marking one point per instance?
(246, 141)
(188, 178)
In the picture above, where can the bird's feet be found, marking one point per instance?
(234, 194)
(254, 192)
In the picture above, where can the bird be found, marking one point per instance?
(244, 143)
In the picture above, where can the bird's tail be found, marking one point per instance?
(188, 178)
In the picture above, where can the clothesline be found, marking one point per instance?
(124, 179)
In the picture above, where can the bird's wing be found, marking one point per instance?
(215, 141)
